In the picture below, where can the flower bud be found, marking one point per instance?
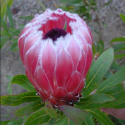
(56, 50)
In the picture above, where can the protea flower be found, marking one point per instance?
(56, 50)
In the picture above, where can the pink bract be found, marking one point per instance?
(57, 68)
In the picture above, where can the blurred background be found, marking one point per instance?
(104, 18)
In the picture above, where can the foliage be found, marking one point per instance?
(9, 32)
(81, 7)
(120, 47)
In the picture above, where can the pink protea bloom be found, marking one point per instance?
(56, 59)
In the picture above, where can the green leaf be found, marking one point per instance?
(115, 66)
(23, 81)
(9, 89)
(37, 117)
(50, 110)
(14, 31)
(29, 108)
(88, 121)
(94, 49)
(76, 115)
(15, 100)
(100, 47)
(3, 41)
(94, 101)
(122, 17)
(4, 25)
(70, 1)
(16, 122)
(101, 117)
(113, 80)
(98, 71)
(4, 4)
(10, 16)
(4, 122)
(120, 56)
(107, 3)
(118, 104)
(27, 17)
(119, 47)
(5, 33)
(118, 92)
(50, 122)
(65, 121)
(41, 4)
(13, 46)
(120, 39)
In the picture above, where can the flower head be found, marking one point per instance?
(56, 50)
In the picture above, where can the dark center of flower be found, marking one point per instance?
(54, 34)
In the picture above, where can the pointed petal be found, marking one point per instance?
(82, 64)
(31, 79)
(25, 31)
(42, 81)
(79, 88)
(53, 101)
(21, 47)
(73, 82)
(44, 96)
(59, 94)
(30, 42)
(85, 33)
(74, 51)
(88, 60)
(64, 68)
(31, 58)
(69, 97)
(49, 62)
